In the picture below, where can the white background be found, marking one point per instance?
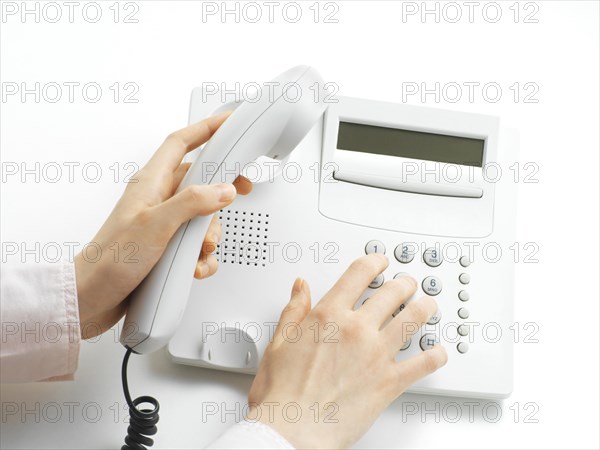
(370, 52)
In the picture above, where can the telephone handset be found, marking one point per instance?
(272, 126)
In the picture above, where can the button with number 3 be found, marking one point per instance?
(432, 257)
(432, 285)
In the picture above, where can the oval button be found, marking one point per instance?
(432, 285)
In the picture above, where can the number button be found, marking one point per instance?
(432, 285)
(404, 253)
(463, 330)
(377, 282)
(432, 257)
(375, 247)
(435, 318)
(463, 313)
(464, 278)
(464, 296)
(464, 261)
(462, 347)
(428, 341)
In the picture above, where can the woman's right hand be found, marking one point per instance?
(330, 371)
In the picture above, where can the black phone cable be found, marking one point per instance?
(142, 422)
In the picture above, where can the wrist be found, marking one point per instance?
(296, 425)
(83, 282)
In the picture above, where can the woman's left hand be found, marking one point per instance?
(136, 233)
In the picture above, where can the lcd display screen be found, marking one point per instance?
(410, 144)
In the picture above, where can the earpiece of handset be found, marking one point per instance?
(272, 126)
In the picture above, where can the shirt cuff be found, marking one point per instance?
(251, 435)
(40, 322)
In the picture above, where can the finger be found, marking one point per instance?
(177, 144)
(409, 321)
(243, 185)
(411, 370)
(195, 200)
(293, 313)
(388, 299)
(212, 238)
(206, 267)
(355, 280)
(178, 175)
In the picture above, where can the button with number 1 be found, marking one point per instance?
(375, 247)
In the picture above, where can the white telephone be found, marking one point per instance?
(418, 184)
(368, 177)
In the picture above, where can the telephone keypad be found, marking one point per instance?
(431, 285)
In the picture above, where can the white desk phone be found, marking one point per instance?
(365, 176)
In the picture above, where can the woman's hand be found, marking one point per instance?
(329, 372)
(137, 231)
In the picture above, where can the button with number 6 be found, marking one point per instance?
(432, 285)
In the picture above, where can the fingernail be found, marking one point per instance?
(297, 286)
(225, 191)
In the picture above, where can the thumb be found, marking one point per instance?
(293, 313)
(195, 200)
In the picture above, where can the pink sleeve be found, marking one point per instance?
(40, 322)
(250, 435)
